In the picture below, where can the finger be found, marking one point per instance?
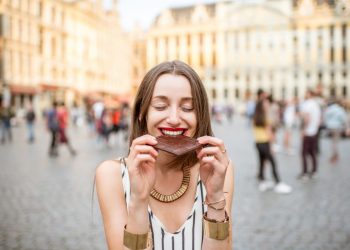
(212, 141)
(144, 140)
(145, 149)
(144, 158)
(215, 151)
(209, 159)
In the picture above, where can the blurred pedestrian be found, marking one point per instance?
(289, 119)
(53, 127)
(263, 138)
(273, 116)
(63, 117)
(6, 114)
(310, 112)
(229, 112)
(30, 120)
(335, 119)
(321, 101)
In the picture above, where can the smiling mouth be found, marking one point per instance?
(173, 132)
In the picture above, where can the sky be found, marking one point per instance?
(143, 12)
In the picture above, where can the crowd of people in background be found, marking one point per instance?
(313, 116)
(103, 122)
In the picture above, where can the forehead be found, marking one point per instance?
(172, 85)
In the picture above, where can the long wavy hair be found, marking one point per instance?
(144, 97)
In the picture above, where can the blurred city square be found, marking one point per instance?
(77, 55)
(47, 202)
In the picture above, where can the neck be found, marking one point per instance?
(163, 161)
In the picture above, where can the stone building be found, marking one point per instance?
(237, 47)
(62, 50)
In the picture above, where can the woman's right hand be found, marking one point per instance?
(141, 167)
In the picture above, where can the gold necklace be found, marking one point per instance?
(180, 192)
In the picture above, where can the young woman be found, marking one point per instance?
(172, 202)
(263, 137)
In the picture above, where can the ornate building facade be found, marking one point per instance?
(237, 47)
(62, 50)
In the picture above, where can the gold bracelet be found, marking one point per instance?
(210, 204)
(136, 241)
(217, 230)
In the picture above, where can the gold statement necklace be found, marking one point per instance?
(180, 192)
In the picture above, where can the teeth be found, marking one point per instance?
(173, 133)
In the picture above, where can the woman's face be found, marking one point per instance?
(171, 111)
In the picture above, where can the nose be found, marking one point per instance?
(173, 116)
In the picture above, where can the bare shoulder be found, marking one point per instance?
(108, 168)
(108, 175)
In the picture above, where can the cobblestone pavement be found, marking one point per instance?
(46, 203)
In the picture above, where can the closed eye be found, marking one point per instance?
(187, 109)
(159, 108)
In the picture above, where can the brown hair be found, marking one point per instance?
(259, 117)
(144, 96)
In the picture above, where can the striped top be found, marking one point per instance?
(189, 236)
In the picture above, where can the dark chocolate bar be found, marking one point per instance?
(177, 145)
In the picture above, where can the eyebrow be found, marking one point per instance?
(164, 98)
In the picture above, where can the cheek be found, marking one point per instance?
(191, 119)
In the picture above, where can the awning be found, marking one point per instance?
(50, 87)
(23, 89)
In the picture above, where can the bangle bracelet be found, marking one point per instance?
(215, 229)
(210, 204)
(217, 208)
(213, 202)
(135, 241)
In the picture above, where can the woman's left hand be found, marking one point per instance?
(213, 165)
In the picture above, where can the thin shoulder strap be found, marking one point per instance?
(125, 180)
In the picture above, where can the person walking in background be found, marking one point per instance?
(263, 137)
(62, 116)
(273, 113)
(289, 116)
(335, 120)
(6, 115)
(310, 112)
(30, 120)
(319, 98)
(53, 127)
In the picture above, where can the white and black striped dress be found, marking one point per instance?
(189, 236)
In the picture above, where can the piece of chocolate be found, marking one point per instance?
(177, 145)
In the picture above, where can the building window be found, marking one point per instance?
(247, 40)
(308, 75)
(331, 32)
(213, 94)
(201, 56)
(344, 91)
(296, 91)
(237, 93)
(320, 76)
(283, 92)
(166, 48)
(332, 90)
(344, 59)
(226, 93)
(214, 59)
